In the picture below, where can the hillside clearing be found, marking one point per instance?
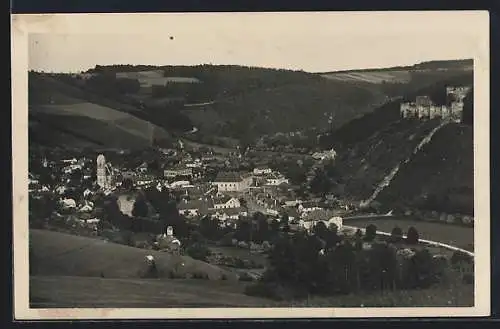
(64, 254)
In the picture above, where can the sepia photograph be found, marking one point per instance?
(251, 165)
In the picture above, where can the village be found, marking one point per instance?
(203, 185)
(230, 194)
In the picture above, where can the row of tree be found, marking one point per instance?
(303, 264)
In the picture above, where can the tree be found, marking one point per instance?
(396, 235)
(243, 232)
(371, 232)
(285, 226)
(140, 208)
(127, 183)
(262, 227)
(421, 272)
(320, 230)
(112, 212)
(468, 111)
(412, 236)
(243, 203)
(275, 225)
(198, 251)
(358, 238)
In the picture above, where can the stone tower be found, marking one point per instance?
(101, 171)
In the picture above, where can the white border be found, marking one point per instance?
(477, 23)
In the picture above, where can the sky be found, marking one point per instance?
(313, 42)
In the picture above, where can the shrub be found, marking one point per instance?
(371, 232)
(176, 275)
(396, 235)
(468, 278)
(422, 271)
(412, 236)
(200, 276)
(199, 251)
(274, 291)
(244, 276)
(459, 257)
(152, 272)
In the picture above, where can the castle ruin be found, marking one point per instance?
(424, 109)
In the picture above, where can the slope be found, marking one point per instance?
(56, 111)
(69, 255)
(245, 102)
(366, 163)
(440, 177)
(87, 292)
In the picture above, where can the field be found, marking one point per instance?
(91, 119)
(68, 255)
(83, 292)
(462, 237)
(156, 77)
(371, 77)
(122, 120)
(65, 291)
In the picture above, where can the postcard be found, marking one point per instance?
(251, 165)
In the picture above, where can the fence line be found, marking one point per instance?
(426, 242)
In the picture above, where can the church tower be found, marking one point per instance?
(101, 171)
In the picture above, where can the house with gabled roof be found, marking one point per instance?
(194, 208)
(226, 202)
(233, 181)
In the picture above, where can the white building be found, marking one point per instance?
(326, 155)
(226, 203)
(276, 181)
(174, 172)
(232, 182)
(262, 171)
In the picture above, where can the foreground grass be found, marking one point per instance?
(90, 292)
(87, 292)
(462, 296)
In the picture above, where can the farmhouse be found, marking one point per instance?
(228, 214)
(179, 171)
(232, 182)
(325, 155)
(262, 171)
(226, 202)
(276, 180)
(194, 208)
(143, 180)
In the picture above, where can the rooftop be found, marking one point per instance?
(222, 199)
(201, 205)
(229, 176)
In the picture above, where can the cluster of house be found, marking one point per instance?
(424, 108)
(325, 155)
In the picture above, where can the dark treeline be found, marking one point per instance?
(326, 264)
